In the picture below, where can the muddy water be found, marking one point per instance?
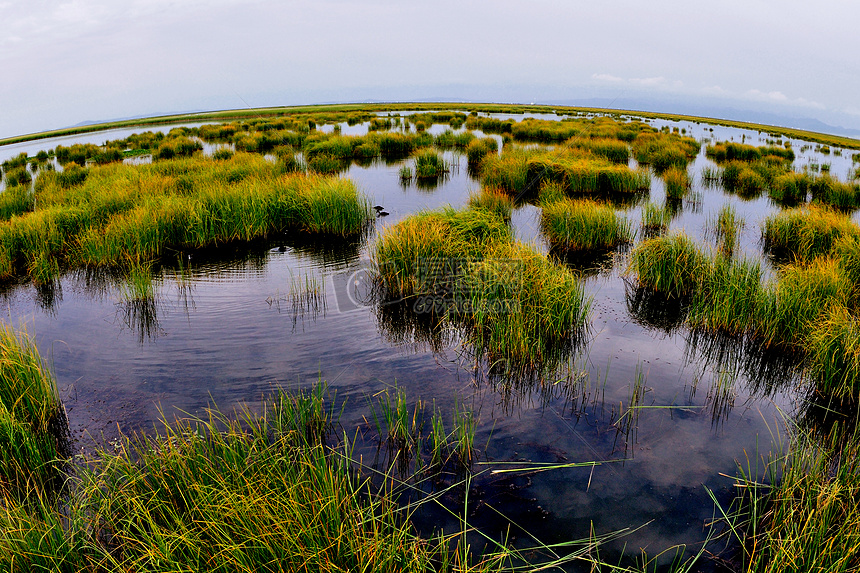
(226, 330)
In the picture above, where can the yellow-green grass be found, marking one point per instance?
(345, 110)
(829, 191)
(806, 516)
(480, 148)
(33, 426)
(121, 213)
(514, 304)
(789, 189)
(612, 149)
(405, 254)
(726, 226)
(728, 298)
(584, 225)
(526, 311)
(429, 164)
(730, 151)
(664, 150)
(805, 233)
(672, 264)
(253, 492)
(789, 309)
(576, 170)
(492, 200)
(834, 354)
(655, 219)
(677, 183)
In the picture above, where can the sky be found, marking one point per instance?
(67, 62)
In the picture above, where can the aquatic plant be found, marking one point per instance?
(121, 212)
(584, 225)
(480, 148)
(803, 516)
(805, 233)
(726, 226)
(789, 311)
(655, 219)
(789, 189)
(429, 164)
(677, 183)
(18, 176)
(33, 426)
(492, 200)
(671, 264)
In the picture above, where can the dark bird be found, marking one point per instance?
(378, 208)
(382, 214)
(282, 249)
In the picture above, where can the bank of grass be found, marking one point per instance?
(805, 515)
(677, 183)
(805, 233)
(253, 492)
(122, 213)
(492, 200)
(577, 171)
(514, 304)
(33, 426)
(655, 219)
(584, 225)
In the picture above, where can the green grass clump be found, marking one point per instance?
(326, 164)
(826, 190)
(33, 426)
(583, 225)
(806, 514)
(805, 233)
(663, 150)
(728, 297)
(516, 306)
(492, 200)
(526, 311)
(789, 189)
(790, 309)
(479, 148)
(677, 183)
(612, 149)
(655, 219)
(582, 174)
(18, 176)
(672, 265)
(509, 172)
(834, 354)
(222, 153)
(176, 147)
(122, 212)
(255, 492)
(726, 226)
(405, 254)
(429, 164)
(15, 200)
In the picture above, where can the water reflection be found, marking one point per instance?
(653, 309)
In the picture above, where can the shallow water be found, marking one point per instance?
(225, 330)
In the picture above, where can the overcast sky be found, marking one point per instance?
(64, 62)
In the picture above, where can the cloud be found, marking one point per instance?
(648, 82)
(607, 78)
(781, 98)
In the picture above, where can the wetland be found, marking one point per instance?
(527, 327)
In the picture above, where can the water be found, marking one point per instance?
(225, 331)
